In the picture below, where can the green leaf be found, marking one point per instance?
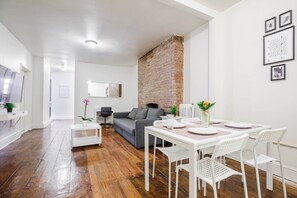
(200, 105)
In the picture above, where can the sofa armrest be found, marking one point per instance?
(139, 131)
(121, 114)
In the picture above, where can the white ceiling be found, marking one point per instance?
(125, 29)
(218, 5)
(56, 65)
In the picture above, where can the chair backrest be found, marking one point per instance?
(186, 110)
(230, 145)
(271, 135)
(106, 111)
(161, 122)
(190, 120)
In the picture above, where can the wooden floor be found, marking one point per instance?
(42, 164)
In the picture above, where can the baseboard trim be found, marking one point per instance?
(289, 171)
(42, 126)
(10, 138)
(46, 123)
(62, 117)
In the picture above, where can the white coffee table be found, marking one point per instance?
(86, 140)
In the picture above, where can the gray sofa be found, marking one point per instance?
(131, 124)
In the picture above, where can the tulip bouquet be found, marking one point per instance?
(205, 115)
(84, 118)
(205, 105)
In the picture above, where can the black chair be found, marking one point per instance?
(105, 113)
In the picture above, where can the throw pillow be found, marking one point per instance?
(133, 113)
(154, 113)
(141, 114)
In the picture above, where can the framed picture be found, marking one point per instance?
(270, 25)
(63, 91)
(285, 19)
(278, 72)
(279, 46)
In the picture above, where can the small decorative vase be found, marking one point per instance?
(85, 123)
(205, 119)
(9, 110)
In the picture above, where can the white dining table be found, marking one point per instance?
(193, 143)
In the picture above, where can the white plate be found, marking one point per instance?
(203, 131)
(176, 125)
(239, 125)
(214, 121)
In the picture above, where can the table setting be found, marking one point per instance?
(197, 133)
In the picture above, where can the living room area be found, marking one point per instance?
(139, 98)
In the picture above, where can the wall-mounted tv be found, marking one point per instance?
(11, 85)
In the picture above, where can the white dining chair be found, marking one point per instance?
(267, 136)
(202, 152)
(173, 153)
(190, 120)
(211, 171)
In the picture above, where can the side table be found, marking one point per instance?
(86, 140)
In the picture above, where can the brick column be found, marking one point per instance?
(160, 74)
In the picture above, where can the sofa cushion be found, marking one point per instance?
(154, 113)
(141, 114)
(133, 113)
(125, 124)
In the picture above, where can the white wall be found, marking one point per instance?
(127, 76)
(27, 98)
(46, 91)
(242, 87)
(12, 52)
(196, 74)
(37, 90)
(196, 65)
(62, 108)
(41, 91)
(12, 55)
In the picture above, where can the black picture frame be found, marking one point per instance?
(293, 46)
(281, 71)
(271, 21)
(289, 14)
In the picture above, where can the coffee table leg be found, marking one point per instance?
(100, 136)
(71, 131)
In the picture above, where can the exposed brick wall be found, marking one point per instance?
(160, 74)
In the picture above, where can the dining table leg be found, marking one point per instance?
(269, 173)
(192, 172)
(146, 160)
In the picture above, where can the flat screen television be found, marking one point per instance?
(11, 86)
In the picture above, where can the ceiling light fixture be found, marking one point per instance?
(91, 43)
(63, 68)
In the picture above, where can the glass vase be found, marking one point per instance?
(205, 119)
(85, 123)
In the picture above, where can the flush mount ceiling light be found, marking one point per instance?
(63, 67)
(91, 43)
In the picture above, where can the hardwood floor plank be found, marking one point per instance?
(42, 164)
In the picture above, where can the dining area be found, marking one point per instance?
(201, 145)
